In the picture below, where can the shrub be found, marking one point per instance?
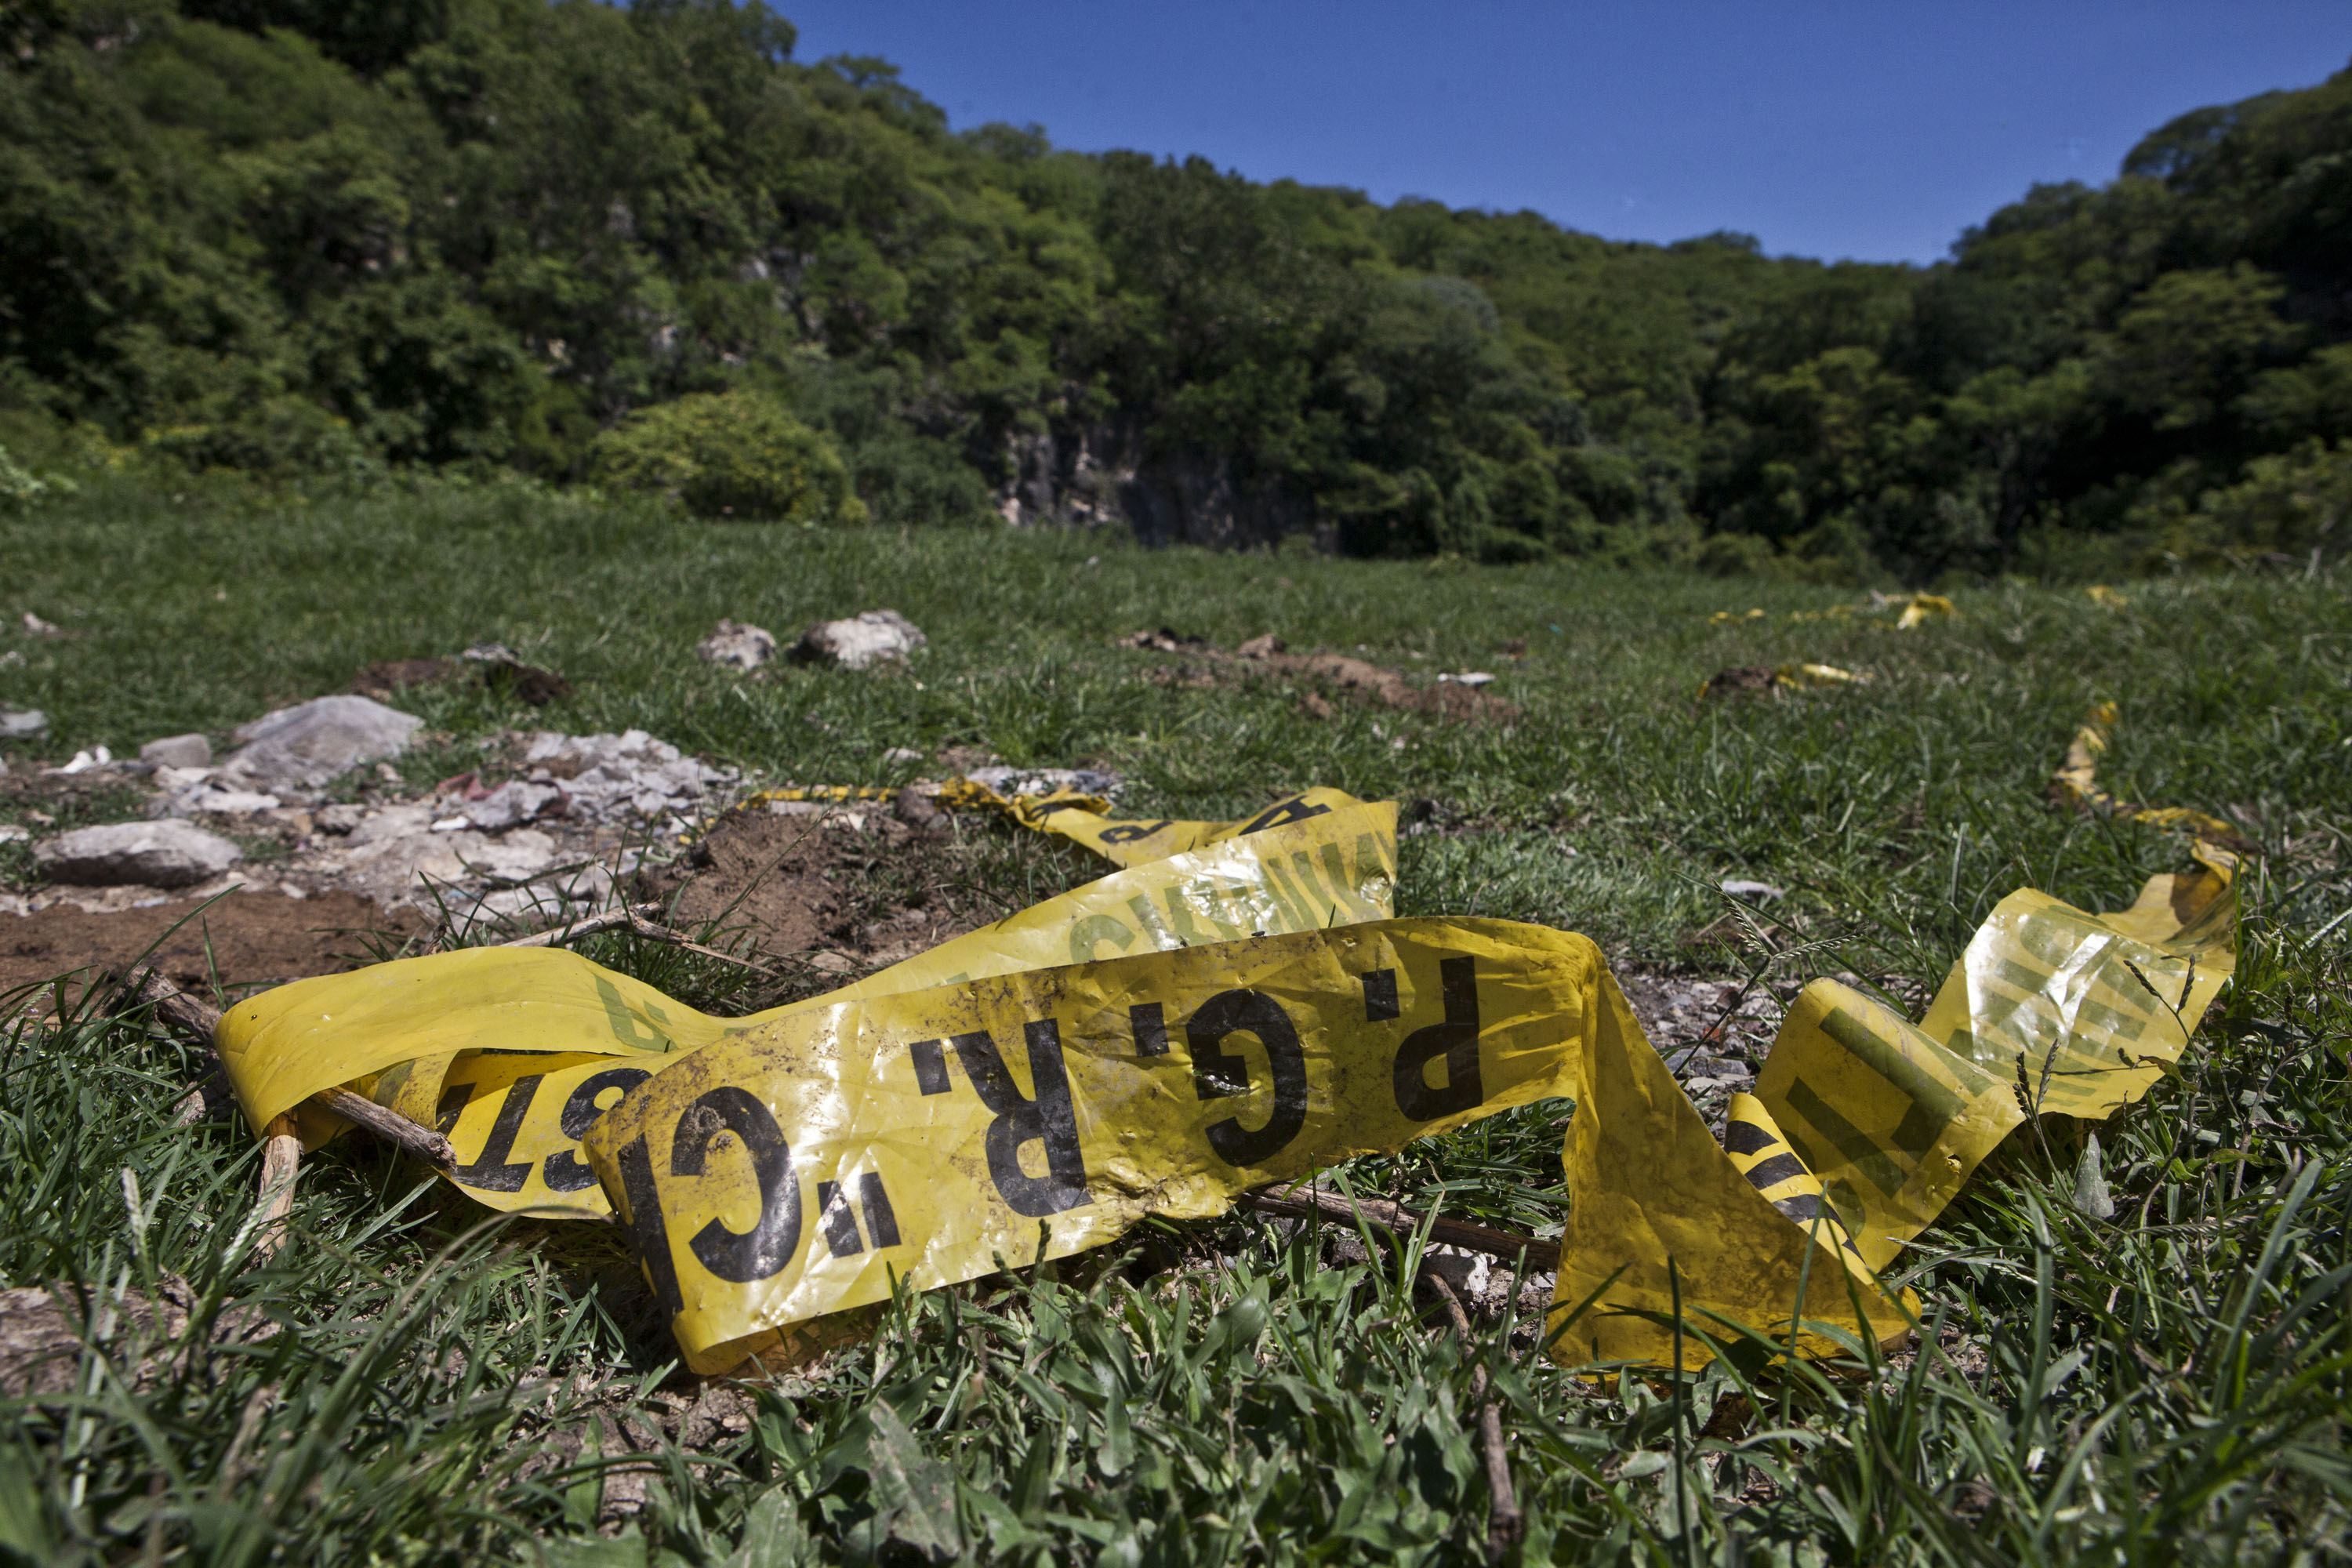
(735, 454)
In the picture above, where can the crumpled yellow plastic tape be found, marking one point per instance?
(2077, 783)
(1083, 819)
(934, 1136)
(513, 1052)
(1863, 1126)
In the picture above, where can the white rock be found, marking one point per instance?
(230, 801)
(340, 819)
(171, 853)
(94, 757)
(305, 746)
(1762, 892)
(11, 834)
(861, 641)
(900, 756)
(512, 805)
(1469, 678)
(191, 751)
(21, 723)
(738, 645)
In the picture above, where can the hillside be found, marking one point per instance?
(287, 239)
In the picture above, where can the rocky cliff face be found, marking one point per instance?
(1089, 475)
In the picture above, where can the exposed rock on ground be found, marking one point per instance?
(861, 641)
(302, 748)
(737, 646)
(177, 752)
(171, 853)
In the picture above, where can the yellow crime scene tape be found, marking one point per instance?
(1019, 1093)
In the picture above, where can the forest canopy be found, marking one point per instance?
(295, 237)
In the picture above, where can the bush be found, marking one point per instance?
(736, 454)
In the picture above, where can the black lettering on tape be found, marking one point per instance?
(648, 1232)
(769, 1244)
(1129, 832)
(931, 1067)
(1151, 1026)
(1216, 1073)
(881, 1219)
(453, 1100)
(563, 1170)
(1379, 995)
(490, 1171)
(1049, 1119)
(837, 1220)
(1456, 1040)
(1282, 812)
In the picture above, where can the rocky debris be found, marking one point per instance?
(901, 756)
(1467, 677)
(22, 723)
(1754, 892)
(736, 645)
(1008, 781)
(514, 803)
(189, 750)
(37, 627)
(606, 778)
(301, 748)
(860, 641)
(171, 853)
(1458, 697)
(86, 760)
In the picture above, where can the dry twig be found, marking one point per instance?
(1299, 1202)
(1505, 1523)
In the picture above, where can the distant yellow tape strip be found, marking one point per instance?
(1085, 819)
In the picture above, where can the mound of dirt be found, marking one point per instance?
(841, 890)
(1355, 678)
(256, 938)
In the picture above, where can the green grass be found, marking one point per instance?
(2165, 1387)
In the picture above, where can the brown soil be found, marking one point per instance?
(256, 939)
(842, 890)
(1354, 679)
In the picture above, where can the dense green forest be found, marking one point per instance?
(644, 246)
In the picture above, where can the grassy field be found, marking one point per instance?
(2167, 1386)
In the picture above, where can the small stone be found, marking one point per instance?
(35, 626)
(18, 724)
(230, 801)
(340, 819)
(171, 853)
(190, 751)
(861, 641)
(899, 756)
(512, 805)
(84, 761)
(1759, 892)
(1265, 647)
(306, 745)
(738, 646)
(1470, 677)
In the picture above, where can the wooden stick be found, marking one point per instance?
(389, 1125)
(632, 918)
(281, 1157)
(1299, 1202)
(1505, 1523)
(197, 1017)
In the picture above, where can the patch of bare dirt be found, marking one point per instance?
(256, 938)
(842, 889)
(1354, 679)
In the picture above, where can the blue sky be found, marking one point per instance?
(1877, 132)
